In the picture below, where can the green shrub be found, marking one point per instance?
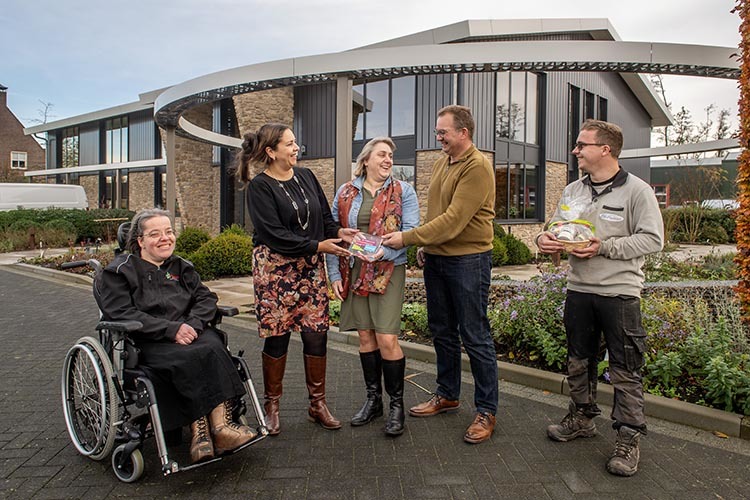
(498, 230)
(84, 221)
(414, 317)
(334, 311)
(190, 240)
(714, 233)
(411, 256)
(24, 225)
(234, 229)
(499, 252)
(529, 323)
(226, 255)
(518, 252)
(62, 225)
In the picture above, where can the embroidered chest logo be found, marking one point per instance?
(611, 217)
(171, 277)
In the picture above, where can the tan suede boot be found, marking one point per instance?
(227, 434)
(201, 447)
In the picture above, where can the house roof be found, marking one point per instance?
(498, 30)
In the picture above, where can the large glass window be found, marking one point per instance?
(517, 107)
(384, 108)
(518, 155)
(69, 146)
(387, 108)
(117, 140)
(18, 160)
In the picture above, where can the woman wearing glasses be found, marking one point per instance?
(292, 228)
(194, 377)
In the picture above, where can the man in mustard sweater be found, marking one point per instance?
(457, 244)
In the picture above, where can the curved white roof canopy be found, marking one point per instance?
(596, 56)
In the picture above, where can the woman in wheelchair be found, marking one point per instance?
(192, 372)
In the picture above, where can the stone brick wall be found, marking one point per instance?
(557, 179)
(90, 184)
(197, 180)
(141, 190)
(424, 162)
(257, 108)
(323, 169)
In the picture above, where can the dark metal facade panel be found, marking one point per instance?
(141, 136)
(478, 92)
(52, 150)
(623, 108)
(433, 93)
(89, 139)
(315, 119)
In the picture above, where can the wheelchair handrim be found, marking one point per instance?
(71, 422)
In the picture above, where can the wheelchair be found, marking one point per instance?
(110, 405)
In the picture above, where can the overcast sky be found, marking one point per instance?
(85, 55)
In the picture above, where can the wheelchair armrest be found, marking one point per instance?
(227, 311)
(119, 326)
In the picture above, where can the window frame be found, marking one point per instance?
(14, 160)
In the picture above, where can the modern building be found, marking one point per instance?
(19, 153)
(530, 84)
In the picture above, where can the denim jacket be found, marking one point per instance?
(409, 220)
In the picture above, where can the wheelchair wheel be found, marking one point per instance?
(132, 469)
(89, 397)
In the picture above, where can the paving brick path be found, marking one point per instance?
(41, 319)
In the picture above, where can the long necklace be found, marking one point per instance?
(294, 203)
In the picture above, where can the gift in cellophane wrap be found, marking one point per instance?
(574, 230)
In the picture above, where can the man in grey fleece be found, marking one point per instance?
(604, 289)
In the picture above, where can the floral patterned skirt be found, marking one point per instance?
(291, 293)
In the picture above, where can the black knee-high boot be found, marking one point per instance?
(373, 406)
(393, 379)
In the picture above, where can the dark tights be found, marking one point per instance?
(313, 344)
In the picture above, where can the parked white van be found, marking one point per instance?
(15, 196)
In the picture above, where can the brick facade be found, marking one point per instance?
(197, 180)
(266, 106)
(141, 190)
(323, 168)
(90, 184)
(12, 138)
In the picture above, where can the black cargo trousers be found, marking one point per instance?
(587, 316)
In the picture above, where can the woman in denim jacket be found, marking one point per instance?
(371, 288)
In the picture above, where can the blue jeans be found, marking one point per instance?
(457, 292)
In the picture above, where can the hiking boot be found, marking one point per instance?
(575, 424)
(624, 460)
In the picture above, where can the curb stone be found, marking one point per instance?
(701, 417)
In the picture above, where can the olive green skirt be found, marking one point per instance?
(379, 312)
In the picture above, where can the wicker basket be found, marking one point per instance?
(572, 245)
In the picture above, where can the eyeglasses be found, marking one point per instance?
(581, 145)
(155, 235)
(442, 132)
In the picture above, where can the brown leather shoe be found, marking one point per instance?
(436, 404)
(481, 428)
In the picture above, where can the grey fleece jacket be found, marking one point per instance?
(627, 219)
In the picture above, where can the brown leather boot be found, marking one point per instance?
(315, 376)
(273, 374)
(201, 447)
(227, 434)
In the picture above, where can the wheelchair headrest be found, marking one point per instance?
(122, 236)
